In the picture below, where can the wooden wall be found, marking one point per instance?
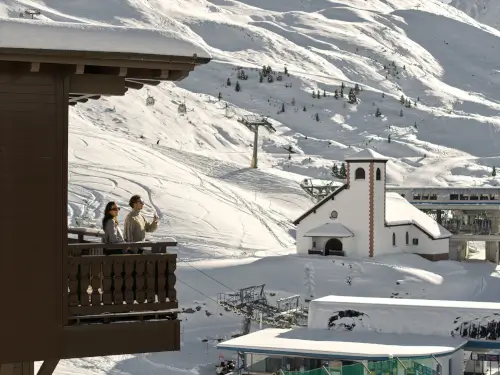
(33, 214)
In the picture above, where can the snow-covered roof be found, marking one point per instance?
(353, 345)
(330, 230)
(399, 211)
(36, 34)
(350, 300)
(367, 154)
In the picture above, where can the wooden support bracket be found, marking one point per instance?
(48, 367)
(35, 67)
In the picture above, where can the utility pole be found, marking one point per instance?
(253, 122)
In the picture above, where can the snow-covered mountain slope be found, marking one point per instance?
(484, 11)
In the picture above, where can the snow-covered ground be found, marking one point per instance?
(233, 222)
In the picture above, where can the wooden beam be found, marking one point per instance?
(178, 75)
(96, 84)
(80, 69)
(48, 367)
(123, 72)
(125, 61)
(134, 85)
(35, 67)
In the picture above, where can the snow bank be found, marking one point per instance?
(399, 211)
(35, 34)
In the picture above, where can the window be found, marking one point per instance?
(378, 175)
(407, 238)
(394, 239)
(415, 241)
(314, 244)
(359, 174)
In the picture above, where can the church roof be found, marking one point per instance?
(367, 155)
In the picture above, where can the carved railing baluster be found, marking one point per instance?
(84, 284)
(129, 281)
(95, 284)
(161, 280)
(140, 284)
(171, 280)
(118, 284)
(73, 283)
(107, 281)
(150, 281)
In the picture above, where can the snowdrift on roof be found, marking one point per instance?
(35, 34)
(399, 211)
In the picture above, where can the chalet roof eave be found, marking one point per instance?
(111, 59)
(319, 204)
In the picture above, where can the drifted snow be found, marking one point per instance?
(399, 211)
(35, 34)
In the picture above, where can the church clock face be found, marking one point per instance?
(334, 215)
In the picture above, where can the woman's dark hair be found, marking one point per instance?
(107, 215)
(133, 200)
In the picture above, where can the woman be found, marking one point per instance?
(112, 232)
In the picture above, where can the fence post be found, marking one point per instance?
(402, 365)
(326, 370)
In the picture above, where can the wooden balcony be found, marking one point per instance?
(120, 304)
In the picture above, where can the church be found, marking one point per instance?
(360, 219)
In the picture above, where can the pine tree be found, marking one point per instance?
(343, 171)
(314, 94)
(261, 78)
(283, 107)
(401, 113)
(494, 172)
(383, 95)
(286, 70)
(378, 113)
(342, 86)
(220, 96)
(389, 139)
(336, 94)
(357, 89)
(324, 94)
(318, 95)
(402, 99)
(317, 117)
(228, 83)
(293, 102)
(309, 283)
(342, 92)
(237, 88)
(305, 109)
(335, 170)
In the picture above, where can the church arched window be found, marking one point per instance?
(407, 238)
(378, 175)
(359, 174)
(393, 239)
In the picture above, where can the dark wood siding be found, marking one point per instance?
(33, 217)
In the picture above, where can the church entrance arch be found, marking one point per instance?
(333, 247)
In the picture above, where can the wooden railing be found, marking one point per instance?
(113, 284)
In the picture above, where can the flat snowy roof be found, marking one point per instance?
(327, 344)
(399, 211)
(330, 230)
(65, 36)
(407, 302)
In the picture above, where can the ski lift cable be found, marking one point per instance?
(196, 290)
(207, 275)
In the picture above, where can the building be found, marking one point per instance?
(57, 304)
(373, 334)
(361, 219)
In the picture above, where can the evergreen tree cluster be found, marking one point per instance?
(340, 173)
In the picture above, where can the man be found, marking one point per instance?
(136, 226)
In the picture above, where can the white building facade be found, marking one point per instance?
(360, 219)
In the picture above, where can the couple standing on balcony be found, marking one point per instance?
(135, 227)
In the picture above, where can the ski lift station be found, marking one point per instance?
(355, 335)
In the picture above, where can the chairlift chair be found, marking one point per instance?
(182, 108)
(150, 100)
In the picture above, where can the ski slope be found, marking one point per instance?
(233, 222)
